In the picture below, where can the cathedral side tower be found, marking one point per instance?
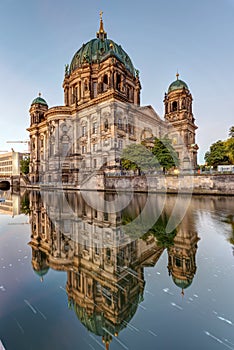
(179, 114)
(38, 110)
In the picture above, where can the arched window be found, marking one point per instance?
(84, 130)
(52, 146)
(95, 89)
(108, 254)
(106, 126)
(95, 127)
(120, 125)
(118, 82)
(125, 125)
(183, 104)
(128, 92)
(65, 148)
(174, 106)
(64, 145)
(105, 82)
(131, 129)
(86, 85)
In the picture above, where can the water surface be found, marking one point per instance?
(74, 275)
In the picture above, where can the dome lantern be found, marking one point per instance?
(101, 34)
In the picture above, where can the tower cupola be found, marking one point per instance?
(37, 110)
(179, 114)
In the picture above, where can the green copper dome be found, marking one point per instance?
(96, 322)
(177, 85)
(98, 50)
(42, 272)
(183, 284)
(39, 100)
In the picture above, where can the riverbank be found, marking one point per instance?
(204, 184)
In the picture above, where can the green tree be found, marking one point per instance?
(217, 154)
(24, 165)
(165, 153)
(164, 240)
(229, 144)
(138, 158)
(230, 220)
(25, 204)
(135, 228)
(231, 132)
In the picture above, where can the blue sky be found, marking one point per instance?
(37, 39)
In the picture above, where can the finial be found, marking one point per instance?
(177, 75)
(182, 292)
(39, 94)
(101, 34)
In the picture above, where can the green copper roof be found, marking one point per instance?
(39, 100)
(96, 322)
(42, 272)
(182, 283)
(99, 49)
(177, 85)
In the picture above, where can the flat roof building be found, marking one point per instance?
(10, 163)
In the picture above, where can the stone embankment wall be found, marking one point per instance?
(198, 184)
(183, 183)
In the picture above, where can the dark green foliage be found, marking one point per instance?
(165, 153)
(217, 155)
(230, 220)
(25, 204)
(24, 165)
(138, 158)
(231, 132)
(135, 228)
(164, 240)
(230, 149)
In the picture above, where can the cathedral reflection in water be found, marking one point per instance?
(104, 262)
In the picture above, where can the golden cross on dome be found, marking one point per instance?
(177, 75)
(101, 34)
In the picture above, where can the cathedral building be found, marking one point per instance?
(101, 115)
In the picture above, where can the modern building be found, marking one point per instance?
(11, 204)
(101, 115)
(10, 163)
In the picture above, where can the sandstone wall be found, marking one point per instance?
(198, 184)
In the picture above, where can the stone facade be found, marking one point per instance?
(101, 116)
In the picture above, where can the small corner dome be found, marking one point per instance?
(42, 272)
(177, 85)
(183, 284)
(39, 100)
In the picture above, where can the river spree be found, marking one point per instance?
(100, 271)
